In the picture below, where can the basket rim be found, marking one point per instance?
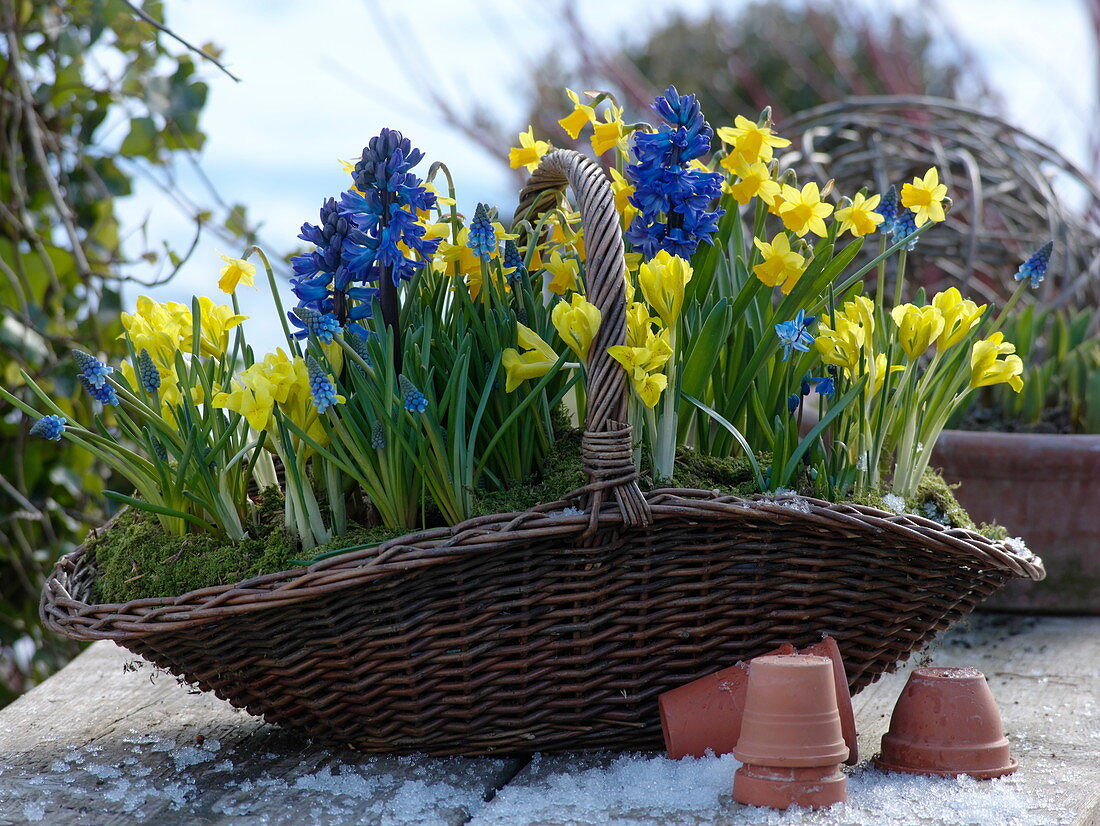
(406, 555)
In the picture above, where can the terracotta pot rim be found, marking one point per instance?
(977, 774)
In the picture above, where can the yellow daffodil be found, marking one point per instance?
(529, 152)
(608, 134)
(987, 369)
(236, 271)
(924, 197)
(217, 320)
(254, 401)
(663, 279)
(162, 329)
(803, 210)
(960, 316)
(639, 324)
(782, 266)
(878, 377)
(841, 343)
(859, 217)
(582, 115)
(459, 254)
(536, 360)
(751, 141)
(623, 190)
(563, 272)
(918, 327)
(577, 323)
(754, 181)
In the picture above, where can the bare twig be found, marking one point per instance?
(156, 24)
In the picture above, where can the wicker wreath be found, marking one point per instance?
(1011, 191)
(555, 628)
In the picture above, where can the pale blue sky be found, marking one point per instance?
(318, 81)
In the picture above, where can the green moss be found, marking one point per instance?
(703, 472)
(136, 559)
(562, 473)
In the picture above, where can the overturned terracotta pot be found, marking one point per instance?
(946, 723)
(791, 741)
(705, 714)
(828, 648)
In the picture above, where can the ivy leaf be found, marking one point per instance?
(141, 140)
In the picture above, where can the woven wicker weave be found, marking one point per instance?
(555, 628)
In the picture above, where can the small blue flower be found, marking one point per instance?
(482, 238)
(825, 385)
(148, 372)
(49, 427)
(888, 208)
(795, 334)
(358, 345)
(1035, 267)
(322, 326)
(411, 397)
(793, 401)
(378, 436)
(320, 386)
(904, 225)
(92, 370)
(104, 394)
(512, 260)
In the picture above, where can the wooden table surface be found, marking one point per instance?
(109, 740)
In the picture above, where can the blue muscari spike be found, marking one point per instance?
(320, 386)
(411, 397)
(888, 209)
(904, 225)
(49, 427)
(512, 260)
(359, 345)
(92, 370)
(158, 449)
(1035, 267)
(148, 372)
(105, 393)
(673, 199)
(322, 326)
(378, 436)
(482, 237)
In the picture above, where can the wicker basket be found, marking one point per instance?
(558, 627)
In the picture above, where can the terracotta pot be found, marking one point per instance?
(946, 723)
(1045, 488)
(705, 714)
(828, 648)
(791, 718)
(781, 788)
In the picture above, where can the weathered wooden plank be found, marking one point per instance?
(97, 745)
(1045, 674)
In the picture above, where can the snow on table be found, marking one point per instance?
(98, 744)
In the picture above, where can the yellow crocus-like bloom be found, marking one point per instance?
(529, 152)
(918, 327)
(751, 141)
(782, 267)
(563, 272)
(459, 254)
(236, 271)
(841, 343)
(536, 361)
(960, 315)
(623, 190)
(577, 323)
(643, 364)
(877, 378)
(663, 279)
(986, 369)
(162, 329)
(803, 210)
(581, 116)
(860, 217)
(755, 181)
(860, 310)
(649, 389)
(216, 320)
(924, 197)
(639, 324)
(254, 401)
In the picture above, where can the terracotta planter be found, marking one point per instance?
(1045, 488)
(946, 723)
(791, 718)
(705, 714)
(791, 742)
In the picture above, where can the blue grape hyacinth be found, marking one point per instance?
(672, 197)
(147, 372)
(411, 397)
(1035, 267)
(321, 387)
(482, 238)
(311, 322)
(49, 427)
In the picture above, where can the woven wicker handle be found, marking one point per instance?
(606, 446)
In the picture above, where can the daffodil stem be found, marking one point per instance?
(290, 340)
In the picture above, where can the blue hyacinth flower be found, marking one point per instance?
(1035, 267)
(49, 427)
